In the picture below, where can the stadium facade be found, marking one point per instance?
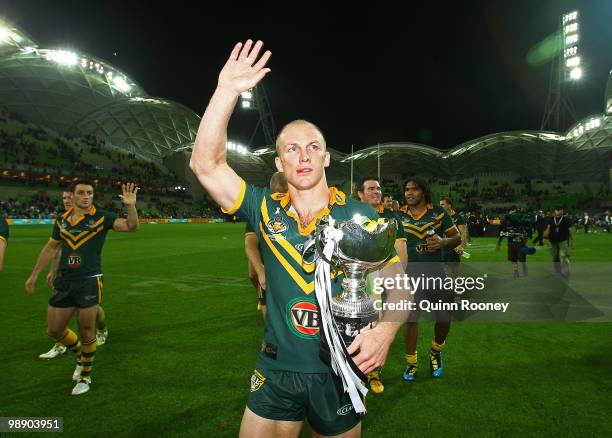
(77, 94)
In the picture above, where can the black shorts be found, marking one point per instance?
(434, 293)
(293, 396)
(453, 264)
(514, 252)
(80, 292)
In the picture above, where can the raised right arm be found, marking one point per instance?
(241, 72)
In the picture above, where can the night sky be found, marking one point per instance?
(440, 74)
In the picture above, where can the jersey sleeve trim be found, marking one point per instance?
(239, 200)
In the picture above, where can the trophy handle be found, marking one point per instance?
(324, 223)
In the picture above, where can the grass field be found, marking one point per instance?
(184, 337)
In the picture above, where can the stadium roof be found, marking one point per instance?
(581, 154)
(78, 94)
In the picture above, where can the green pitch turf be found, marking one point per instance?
(184, 335)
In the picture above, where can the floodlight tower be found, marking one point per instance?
(257, 99)
(565, 69)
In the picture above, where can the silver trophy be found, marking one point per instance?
(360, 246)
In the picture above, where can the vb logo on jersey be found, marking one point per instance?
(421, 247)
(257, 380)
(303, 318)
(74, 260)
(277, 225)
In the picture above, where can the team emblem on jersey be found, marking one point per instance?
(74, 260)
(257, 380)
(303, 317)
(277, 225)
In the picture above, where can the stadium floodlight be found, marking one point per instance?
(570, 51)
(574, 61)
(571, 28)
(236, 147)
(575, 73)
(247, 99)
(570, 16)
(63, 57)
(121, 84)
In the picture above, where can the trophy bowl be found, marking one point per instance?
(362, 245)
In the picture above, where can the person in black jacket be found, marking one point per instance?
(540, 226)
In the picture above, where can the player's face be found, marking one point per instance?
(445, 205)
(413, 194)
(67, 200)
(302, 156)
(83, 196)
(371, 193)
(388, 202)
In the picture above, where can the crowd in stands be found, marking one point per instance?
(41, 206)
(38, 158)
(34, 157)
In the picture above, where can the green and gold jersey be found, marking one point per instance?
(397, 215)
(291, 335)
(82, 242)
(417, 228)
(4, 230)
(450, 255)
(248, 229)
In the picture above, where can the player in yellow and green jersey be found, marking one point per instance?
(429, 230)
(291, 383)
(80, 233)
(369, 192)
(452, 257)
(101, 330)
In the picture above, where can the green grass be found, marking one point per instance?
(184, 337)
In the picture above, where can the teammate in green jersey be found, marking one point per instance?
(369, 192)
(452, 257)
(80, 233)
(101, 330)
(429, 229)
(291, 383)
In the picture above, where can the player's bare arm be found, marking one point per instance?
(2, 250)
(242, 71)
(53, 268)
(452, 239)
(402, 251)
(128, 197)
(251, 248)
(44, 258)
